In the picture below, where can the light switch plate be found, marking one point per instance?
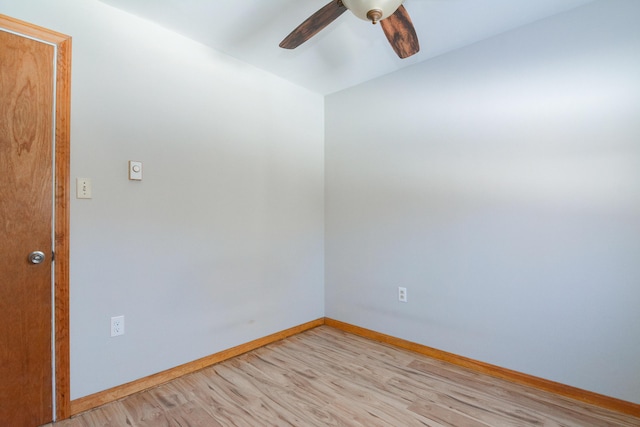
(135, 170)
(83, 188)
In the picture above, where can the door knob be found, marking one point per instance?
(36, 257)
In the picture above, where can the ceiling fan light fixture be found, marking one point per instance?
(374, 15)
(372, 10)
(394, 21)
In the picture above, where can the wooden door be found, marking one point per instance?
(26, 207)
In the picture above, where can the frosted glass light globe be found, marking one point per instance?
(362, 8)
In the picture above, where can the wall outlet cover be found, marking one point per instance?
(117, 326)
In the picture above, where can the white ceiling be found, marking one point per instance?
(349, 51)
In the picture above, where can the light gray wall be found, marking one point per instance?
(501, 185)
(222, 242)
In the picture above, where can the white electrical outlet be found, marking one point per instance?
(402, 294)
(117, 326)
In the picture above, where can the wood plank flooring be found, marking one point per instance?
(326, 377)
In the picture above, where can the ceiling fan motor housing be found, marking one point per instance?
(372, 10)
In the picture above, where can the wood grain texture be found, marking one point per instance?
(495, 371)
(314, 24)
(328, 377)
(35, 31)
(103, 397)
(62, 224)
(61, 200)
(26, 211)
(401, 33)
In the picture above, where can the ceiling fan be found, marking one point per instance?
(393, 17)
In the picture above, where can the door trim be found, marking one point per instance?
(61, 204)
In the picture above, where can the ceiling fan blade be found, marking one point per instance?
(313, 24)
(401, 34)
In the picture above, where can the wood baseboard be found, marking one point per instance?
(596, 399)
(103, 397)
(97, 399)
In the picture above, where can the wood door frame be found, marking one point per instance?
(61, 204)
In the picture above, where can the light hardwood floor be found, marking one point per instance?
(326, 377)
